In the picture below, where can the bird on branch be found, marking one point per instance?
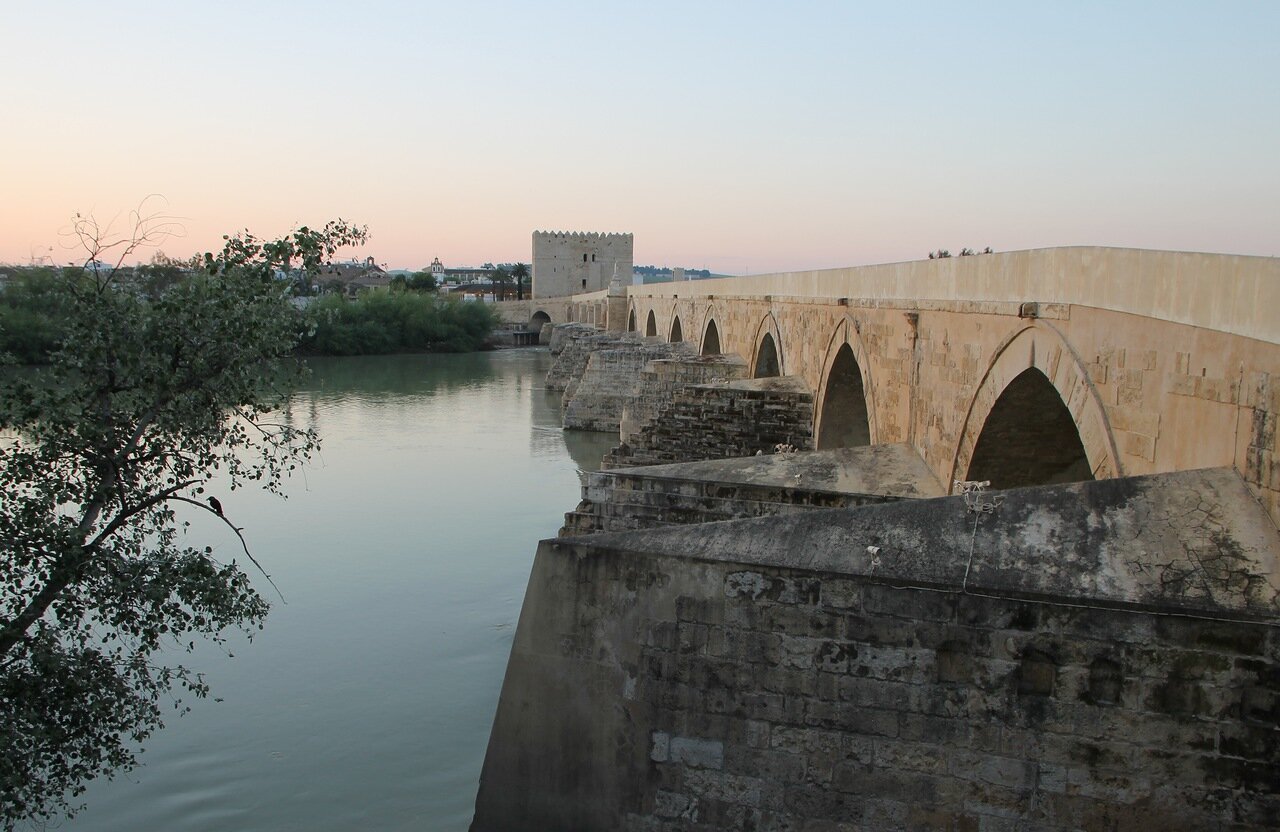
(216, 506)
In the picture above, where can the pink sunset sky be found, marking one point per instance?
(737, 136)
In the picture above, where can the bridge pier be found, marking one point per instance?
(805, 640)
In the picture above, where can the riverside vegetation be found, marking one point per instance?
(34, 311)
(153, 385)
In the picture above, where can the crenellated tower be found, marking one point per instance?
(573, 262)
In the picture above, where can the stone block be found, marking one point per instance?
(730, 788)
(1135, 420)
(695, 752)
(671, 805)
(660, 745)
(841, 594)
(1137, 444)
(905, 603)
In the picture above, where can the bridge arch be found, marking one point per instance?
(1036, 393)
(677, 332)
(767, 358)
(537, 321)
(710, 338)
(631, 320)
(845, 411)
(651, 326)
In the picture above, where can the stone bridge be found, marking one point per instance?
(826, 640)
(533, 314)
(1022, 368)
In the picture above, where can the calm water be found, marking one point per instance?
(403, 554)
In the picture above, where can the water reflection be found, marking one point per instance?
(586, 448)
(404, 552)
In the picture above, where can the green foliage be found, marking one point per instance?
(376, 323)
(661, 271)
(520, 273)
(31, 315)
(422, 282)
(500, 278)
(156, 386)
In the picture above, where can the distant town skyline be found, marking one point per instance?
(736, 137)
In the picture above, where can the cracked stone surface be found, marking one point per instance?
(895, 470)
(1190, 540)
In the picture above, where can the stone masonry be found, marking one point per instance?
(575, 351)
(731, 489)
(1166, 361)
(1096, 656)
(559, 335)
(612, 380)
(661, 380)
(574, 262)
(721, 420)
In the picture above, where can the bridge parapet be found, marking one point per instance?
(1162, 361)
(1229, 293)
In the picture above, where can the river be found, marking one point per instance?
(403, 552)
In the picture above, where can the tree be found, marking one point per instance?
(30, 314)
(519, 271)
(500, 277)
(423, 281)
(147, 396)
(163, 271)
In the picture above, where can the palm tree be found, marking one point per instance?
(499, 278)
(519, 271)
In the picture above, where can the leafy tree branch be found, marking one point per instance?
(154, 387)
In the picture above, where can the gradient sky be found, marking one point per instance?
(743, 137)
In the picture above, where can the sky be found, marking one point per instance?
(742, 137)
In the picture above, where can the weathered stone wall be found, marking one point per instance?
(626, 499)
(730, 489)
(1095, 656)
(575, 351)
(660, 380)
(611, 380)
(1165, 360)
(561, 334)
(716, 421)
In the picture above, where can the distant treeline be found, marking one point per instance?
(655, 271)
(375, 322)
(381, 322)
(30, 314)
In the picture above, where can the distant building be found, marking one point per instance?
(570, 263)
(354, 275)
(459, 275)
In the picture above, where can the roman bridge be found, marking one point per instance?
(782, 640)
(1023, 368)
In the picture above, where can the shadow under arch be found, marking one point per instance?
(538, 321)
(767, 361)
(710, 339)
(846, 405)
(677, 332)
(1056, 404)
(651, 326)
(631, 320)
(1029, 438)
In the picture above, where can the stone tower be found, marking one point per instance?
(571, 263)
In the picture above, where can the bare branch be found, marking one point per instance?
(238, 531)
(148, 226)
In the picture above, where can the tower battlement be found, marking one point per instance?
(582, 235)
(573, 262)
